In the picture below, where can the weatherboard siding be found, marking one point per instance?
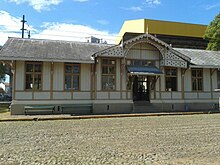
(58, 82)
(20, 75)
(46, 76)
(85, 77)
(206, 80)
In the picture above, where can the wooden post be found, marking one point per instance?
(211, 86)
(51, 79)
(13, 70)
(183, 71)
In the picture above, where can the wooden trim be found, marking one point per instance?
(211, 85)
(115, 74)
(72, 74)
(121, 75)
(95, 78)
(51, 79)
(33, 73)
(91, 81)
(197, 78)
(14, 79)
(160, 85)
(176, 76)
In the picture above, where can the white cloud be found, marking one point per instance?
(73, 32)
(38, 5)
(210, 7)
(80, 0)
(103, 22)
(152, 3)
(10, 27)
(133, 8)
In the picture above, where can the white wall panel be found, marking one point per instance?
(58, 83)
(46, 76)
(62, 95)
(85, 77)
(23, 95)
(102, 95)
(166, 95)
(206, 80)
(177, 95)
(20, 75)
(115, 95)
(81, 95)
(188, 80)
(192, 95)
(205, 95)
(41, 95)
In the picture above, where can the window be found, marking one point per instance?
(197, 83)
(33, 75)
(141, 62)
(171, 79)
(108, 74)
(72, 73)
(218, 79)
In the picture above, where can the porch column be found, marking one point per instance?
(92, 81)
(13, 70)
(95, 78)
(183, 71)
(51, 79)
(211, 73)
(122, 64)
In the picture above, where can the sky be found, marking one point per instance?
(74, 20)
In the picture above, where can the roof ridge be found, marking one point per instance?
(52, 40)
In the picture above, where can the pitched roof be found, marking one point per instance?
(202, 58)
(49, 50)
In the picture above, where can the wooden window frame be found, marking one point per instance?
(197, 78)
(33, 73)
(108, 74)
(171, 76)
(72, 76)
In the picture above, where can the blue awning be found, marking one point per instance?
(144, 70)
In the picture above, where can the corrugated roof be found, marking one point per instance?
(202, 58)
(49, 50)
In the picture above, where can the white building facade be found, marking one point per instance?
(142, 74)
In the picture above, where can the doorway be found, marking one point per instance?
(141, 88)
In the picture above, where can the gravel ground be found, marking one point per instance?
(139, 140)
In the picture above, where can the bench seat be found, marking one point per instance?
(39, 109)
(75, 109)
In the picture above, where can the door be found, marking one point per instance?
(141, 90)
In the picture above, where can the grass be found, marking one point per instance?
(4, 108)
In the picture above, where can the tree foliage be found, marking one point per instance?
(212, 34)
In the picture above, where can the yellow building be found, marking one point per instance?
(177, 34)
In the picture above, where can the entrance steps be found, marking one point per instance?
(144, 107)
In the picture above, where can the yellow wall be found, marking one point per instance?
(134, 26)
(175, 28)
(162, 27)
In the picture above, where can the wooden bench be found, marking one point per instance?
(76, 109)
(39, 109)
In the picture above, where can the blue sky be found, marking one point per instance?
(77, 19)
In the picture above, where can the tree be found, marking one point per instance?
(212, 34)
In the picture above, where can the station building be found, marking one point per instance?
(155, 66)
